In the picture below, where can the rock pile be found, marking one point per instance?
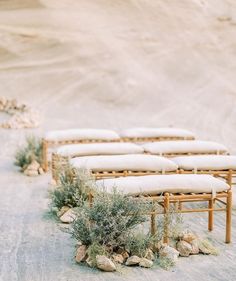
(33, 169)
(66, 215)
(185, 245)
(22, 116)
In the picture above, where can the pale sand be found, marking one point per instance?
(111, 64)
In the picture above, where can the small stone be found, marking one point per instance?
(149, 255)
(31, 173)
(169, 253)
(89, 262)
(62, 211)
(125, 255)
(187, 236)
(145, 263)
(195, 247)
(184, 248)
(105, 263)
(81, 254)
(157, 246)
(133, 260)
(118, 258)
(34, 166)
(68, 216)
(41, 171)
(202, 249)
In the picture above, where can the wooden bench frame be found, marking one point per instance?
(46, 144)
(62, 161)
(224, 198)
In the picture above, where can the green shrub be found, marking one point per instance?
(96, 249)
(73, 189)
(165, 263)
(32, 151)
(137, 244)
(109, 220)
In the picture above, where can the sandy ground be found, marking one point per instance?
(111, 64)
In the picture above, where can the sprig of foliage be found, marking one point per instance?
(32, 151)
(137, 244)
(73, 188)
(96, 249)
(109, 220)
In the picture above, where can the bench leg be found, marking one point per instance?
(228, 217)
(229, 178)
(210, 215)
(45, 152)
(153, 224)
(166, 218)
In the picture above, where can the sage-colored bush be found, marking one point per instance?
(109, 220)
(32, 151)
(73, 188)
(137, 244)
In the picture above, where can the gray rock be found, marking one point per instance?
(81, 254)
(133, 260)
(184, 248)
(68, 217)
(62, 211)
(149, 255)
(187, 236)
(195, 247)
(169, 253)
(34, 166)
(41, 171)
(89, 262)
(202, 248)
(31, 173)
(145, 263)
(118, 258)
(105, 263)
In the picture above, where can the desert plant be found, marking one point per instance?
(32, 151)
(96, 249)
(165, 262)
(73, 188)
(169, 225)
(109, 220)
(137, 244)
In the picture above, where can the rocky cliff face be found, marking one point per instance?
(117, 64)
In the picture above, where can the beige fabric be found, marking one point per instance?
(81, 134)
(162, 147)
(134, 162)
(206, 162)
(158, 184)
(74, 150)
(155, 133)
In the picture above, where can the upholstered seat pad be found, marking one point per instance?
(155, 133)
(81, 134)
(206, 162)
(158, 184)
(134, 162)
(74, 150)
(184, 147)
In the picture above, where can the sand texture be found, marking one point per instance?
(111, 64)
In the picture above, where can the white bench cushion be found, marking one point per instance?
(206, 162)
(163, 147)
(157, 184)
(155, 133)
(134, 162)
(87, 149)
(81, 134)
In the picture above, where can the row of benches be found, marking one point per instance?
(138, 170)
